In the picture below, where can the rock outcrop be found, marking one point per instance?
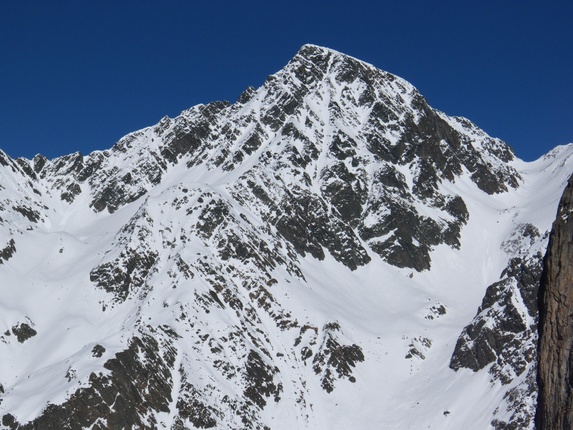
(555, 369)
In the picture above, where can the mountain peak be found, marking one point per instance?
(309, 49)
(311, 243)
(325, 58)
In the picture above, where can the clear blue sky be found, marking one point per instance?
(78, 75)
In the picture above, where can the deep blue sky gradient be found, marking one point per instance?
(78, 75)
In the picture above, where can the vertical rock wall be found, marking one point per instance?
(555, 369)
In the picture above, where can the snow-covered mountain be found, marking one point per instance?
(327, 252)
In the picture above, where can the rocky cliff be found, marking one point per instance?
(555, 369)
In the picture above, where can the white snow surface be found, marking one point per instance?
(379, 307)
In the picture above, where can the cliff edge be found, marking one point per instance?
(555, 369)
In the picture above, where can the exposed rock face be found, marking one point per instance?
(139, 384)
(8, 251)
(555, 374)
(503, 334)
(23, 332)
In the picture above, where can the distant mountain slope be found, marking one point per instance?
(327, 252)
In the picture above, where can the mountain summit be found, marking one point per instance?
(327, 252)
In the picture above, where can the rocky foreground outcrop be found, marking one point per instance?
(555, 369)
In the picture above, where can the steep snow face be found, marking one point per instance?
(327, 252)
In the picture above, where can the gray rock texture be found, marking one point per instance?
(555, 368)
